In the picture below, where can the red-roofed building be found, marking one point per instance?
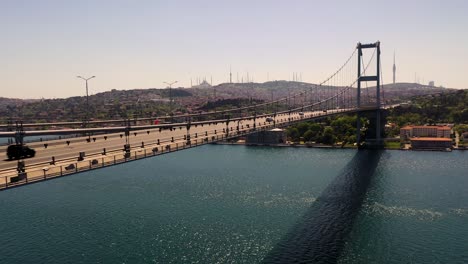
(408, 132)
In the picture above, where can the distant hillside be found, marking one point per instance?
(107, 105)
(263, 91)
(228, 104)
(403, 91)
(278, 89)
(153, 102)
(13, 101)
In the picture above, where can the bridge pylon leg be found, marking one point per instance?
(377, 141)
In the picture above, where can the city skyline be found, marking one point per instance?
(127, 45)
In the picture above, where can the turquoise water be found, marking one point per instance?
(235, 204)
(415, 211)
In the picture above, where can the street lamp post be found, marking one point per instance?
(170, 94)
(87, 99)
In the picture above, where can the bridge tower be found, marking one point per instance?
(376, 141)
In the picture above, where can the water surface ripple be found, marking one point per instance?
(235, 204)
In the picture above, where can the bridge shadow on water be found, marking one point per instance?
(320, 235)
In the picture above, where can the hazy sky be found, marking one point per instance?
(140, 44)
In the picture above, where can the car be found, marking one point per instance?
(269, 119)
(301, 113)
(20, 151)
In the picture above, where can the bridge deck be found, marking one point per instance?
(143, 143)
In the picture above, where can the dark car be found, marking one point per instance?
(19, 151)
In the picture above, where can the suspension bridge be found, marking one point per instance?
(108, 142)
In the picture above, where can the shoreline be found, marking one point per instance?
(322, 146)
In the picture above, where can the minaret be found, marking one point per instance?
(394, 68)
(230, 74)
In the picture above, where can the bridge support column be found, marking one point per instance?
(188, 142)
(19, 141)
(255, 121)
(373, 139)
(274, 120)
(378, 129)
(227, 127)
(358, 97)
(127, 140)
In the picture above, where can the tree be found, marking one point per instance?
(293, 133)
(343, 126)
(310, 135)
(461, 128)
(302, 128)
(316, 129)
(328, 136)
